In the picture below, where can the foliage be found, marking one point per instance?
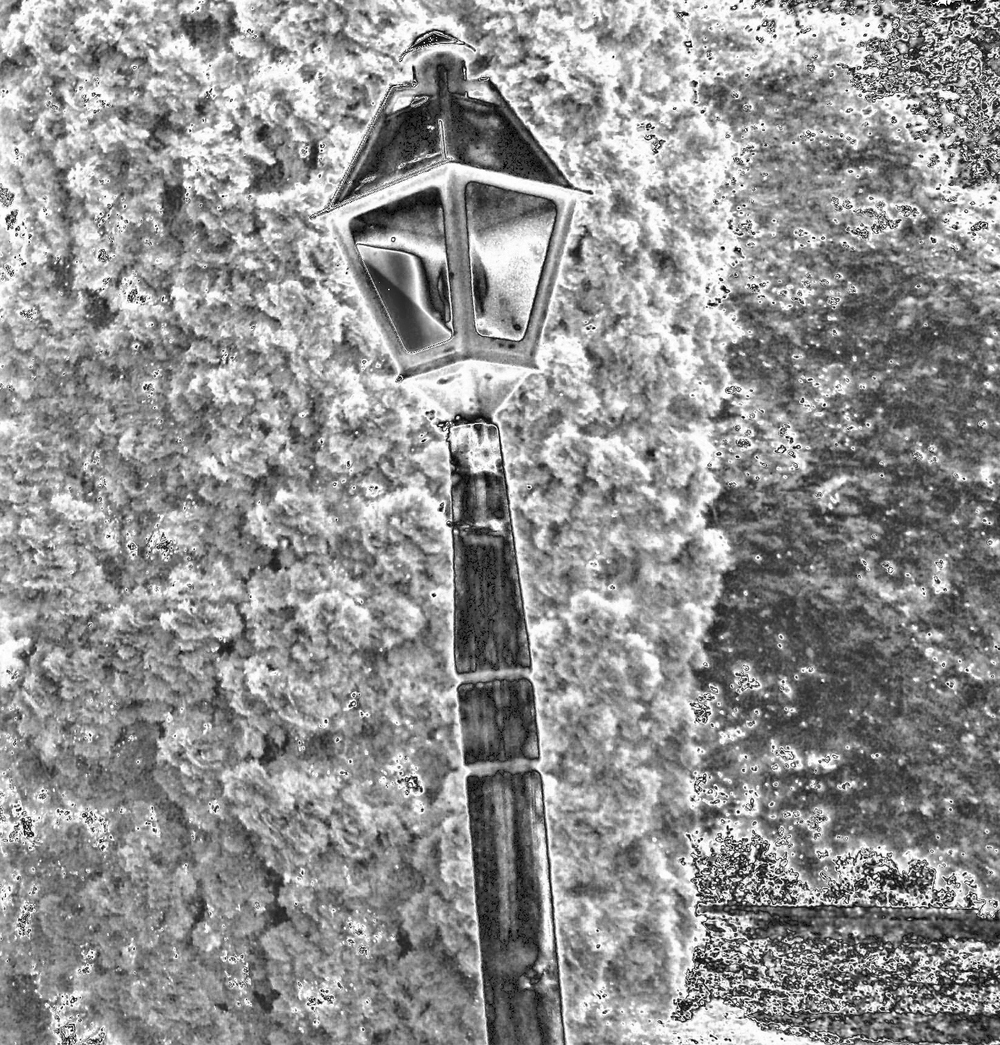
(747, 870)
(873, 877)
(848, 693)
(235, 809)
(752, 869)
(943, 61)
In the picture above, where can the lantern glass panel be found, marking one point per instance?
(508, 237)
(402, 246)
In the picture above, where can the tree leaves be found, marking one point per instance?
(865, 343)
(223, 549)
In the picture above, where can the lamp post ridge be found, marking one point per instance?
(453, 220)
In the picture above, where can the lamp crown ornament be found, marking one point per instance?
(453, 219)
(436, 39)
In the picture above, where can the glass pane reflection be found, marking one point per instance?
(508, 237)
(402, 246)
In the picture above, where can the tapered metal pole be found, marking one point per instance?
(510, 854)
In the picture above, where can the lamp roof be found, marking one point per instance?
(439, 116)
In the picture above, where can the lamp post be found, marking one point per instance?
(453, 221)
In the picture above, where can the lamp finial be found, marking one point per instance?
(434, 38)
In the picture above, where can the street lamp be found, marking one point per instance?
(453, 220)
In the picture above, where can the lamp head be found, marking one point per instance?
(453, 219)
